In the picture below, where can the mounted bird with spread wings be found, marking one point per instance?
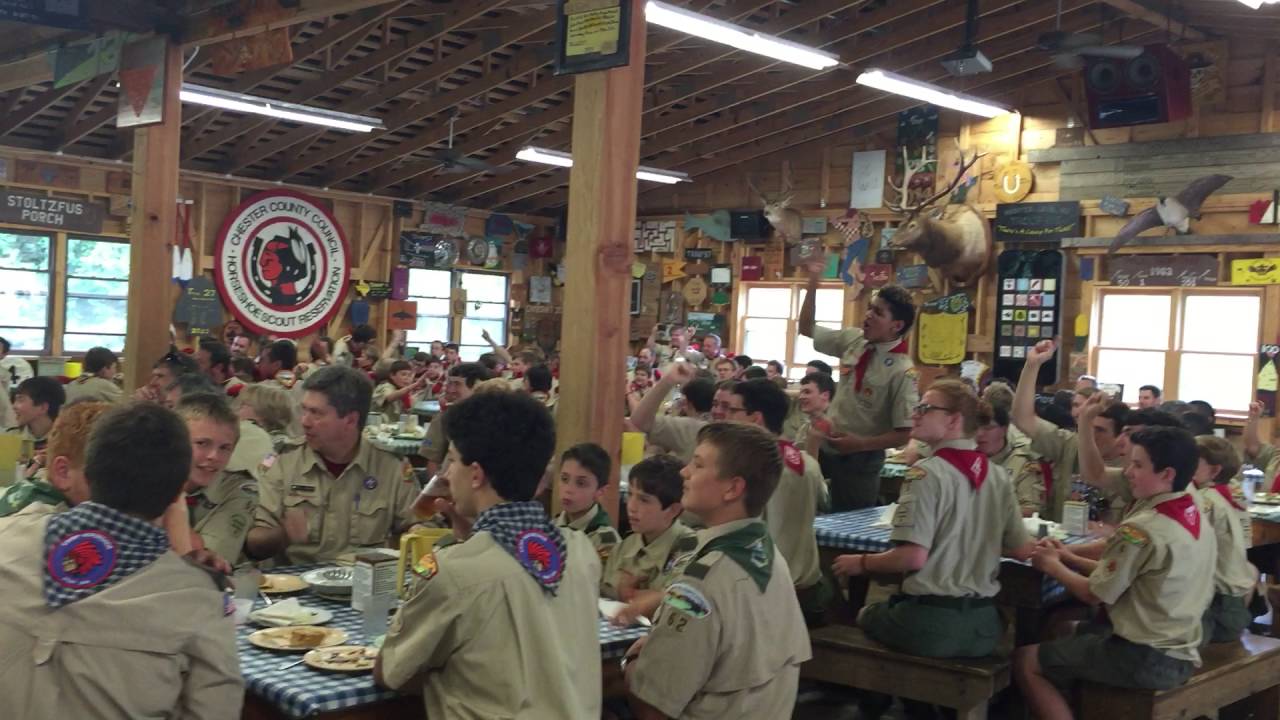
(1174, 213)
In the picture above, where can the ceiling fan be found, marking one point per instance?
(1069, 49)
(453, 162)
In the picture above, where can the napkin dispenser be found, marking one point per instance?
(417, 555)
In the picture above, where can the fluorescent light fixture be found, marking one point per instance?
(669, 16)
(933, 94)
(563, 159)
(252, 104)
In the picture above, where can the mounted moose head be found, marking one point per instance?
(787, 223)
(954, 239)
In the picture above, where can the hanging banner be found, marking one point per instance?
(282, 263)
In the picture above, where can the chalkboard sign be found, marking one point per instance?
(1163, 270)
(1037, 222)
(198, 306)
(1029, 302)
(592, 35)
(417, 250)
(698, 254)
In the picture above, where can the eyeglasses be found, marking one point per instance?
(727, 408)
(923, 408)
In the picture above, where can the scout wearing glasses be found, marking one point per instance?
(871, 410)
(957, 513)
(1150, 579)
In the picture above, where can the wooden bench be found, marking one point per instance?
(1232, 673)
(844, 655)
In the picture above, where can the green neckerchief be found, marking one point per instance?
(26, 492)
(750, 547)
(600, 520)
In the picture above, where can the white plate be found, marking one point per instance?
(330, 580)
(318, 616)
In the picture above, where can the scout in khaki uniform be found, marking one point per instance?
(584, 473)
(504, 624)
(459, 384)
(676, 434)
(1011, 450)
(871, 410)
(956, 516)
(649, 554)
(64, 484)
(395, 397)
(97, 378)
(1234, 578)
(729, 637)
(101, 618)
(335, 493)
(1151, 579)
(220, 504)
(36, 404)
(1058, 446)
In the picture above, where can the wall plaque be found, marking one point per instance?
(57, 213)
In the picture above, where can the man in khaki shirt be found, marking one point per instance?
(957, 516)
(729, 637)
(102, 619)
(1062, 447)
(871, 410)
(504, 624)
(97, 378)
(460, 383)
(1152, 579)
(336, 492)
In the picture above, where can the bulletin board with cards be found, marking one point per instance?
(1029, 303)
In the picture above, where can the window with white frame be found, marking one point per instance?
(26, 284)
(770, 327)
(1193, 343)
(430, 290)
(487, 308)
(97, 295)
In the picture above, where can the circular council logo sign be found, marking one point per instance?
(282, 263)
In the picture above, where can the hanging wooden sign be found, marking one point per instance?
(57, 213)
(1037, 222)
(592, 35)
(1163, 270)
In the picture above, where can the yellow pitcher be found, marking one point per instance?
(417, 554)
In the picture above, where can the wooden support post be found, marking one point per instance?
(155, 197)
(602, 212)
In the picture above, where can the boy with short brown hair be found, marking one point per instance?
(729, 637)
(584, 473)
(1234, 578)
(649, 554)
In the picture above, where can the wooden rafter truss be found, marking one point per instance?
(483, 69)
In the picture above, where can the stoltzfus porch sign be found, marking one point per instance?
(282, 263)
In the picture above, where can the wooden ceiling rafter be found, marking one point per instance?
(33, 107)
(533, 94)
(796, 124)
(324, 82)
(659, 136)
(659, 74)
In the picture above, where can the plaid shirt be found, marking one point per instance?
(92, 547)
(524, 530)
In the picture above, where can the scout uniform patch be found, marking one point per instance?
(685, 598)
(1133, 535)
(426, 566)
(82, 560)
(541, 556)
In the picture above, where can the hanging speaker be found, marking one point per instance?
(1154, 87)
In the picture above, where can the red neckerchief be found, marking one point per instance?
(1225, 491)
(406, 401)
(864, 361)
(971, 463)
(791, 457)
(1182, 510)
(1275, 483)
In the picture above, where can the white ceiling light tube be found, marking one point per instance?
(563, 159)
(252, 104)
(697, 24)
(926, 92)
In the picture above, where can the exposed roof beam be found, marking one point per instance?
(1156, 18)
(33, 107)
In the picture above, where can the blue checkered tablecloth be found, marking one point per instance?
(301, 692)
(856, 531)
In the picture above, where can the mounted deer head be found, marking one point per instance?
(955, 239)
(777, 210)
